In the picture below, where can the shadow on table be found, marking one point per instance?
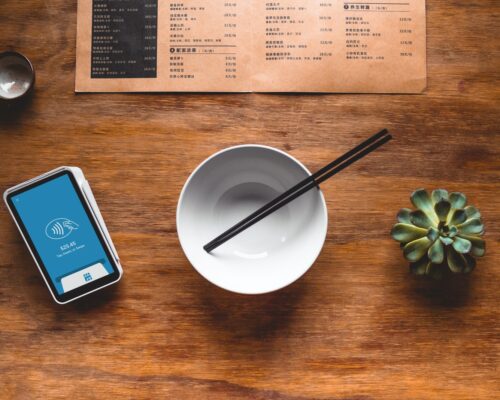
(95, 300)
(451, 291)
(11, 111)
(252, 316)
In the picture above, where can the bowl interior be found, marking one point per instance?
(228, 187)
(16, 75)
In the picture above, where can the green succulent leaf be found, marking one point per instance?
(478, 245)
(446, 240)
(458, 216)
(406, 233)
(453, 231)
(472, 212)
(442, 233)
(416, 249)
(421, 199)
(471, 263)
(420, 267)
(439, 194)
(436, 252)
(404, 216)
(462, 245)
(442, 208)
(421, 219)
(473, 225)
(458, 200)
(432, 234)
(456, 261)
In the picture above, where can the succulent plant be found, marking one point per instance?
(442, 233)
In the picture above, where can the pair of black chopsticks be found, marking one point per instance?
(303, 186)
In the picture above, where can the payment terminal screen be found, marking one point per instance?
(62, 234)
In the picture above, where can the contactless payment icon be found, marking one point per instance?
(60, 228)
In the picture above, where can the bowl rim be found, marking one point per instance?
(229, 149)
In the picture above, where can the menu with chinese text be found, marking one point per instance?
(251, 45)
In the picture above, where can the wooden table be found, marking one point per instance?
(356, 326)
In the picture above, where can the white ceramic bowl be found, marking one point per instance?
(275, 251)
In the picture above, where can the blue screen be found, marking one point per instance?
(63, 234)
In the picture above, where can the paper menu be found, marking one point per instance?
(244, 46)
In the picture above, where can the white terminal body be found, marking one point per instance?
(75, 280)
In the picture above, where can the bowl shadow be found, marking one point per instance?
(256, 317)
(13, 110)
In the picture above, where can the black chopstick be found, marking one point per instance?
(290, 196)
(302, 187)
(312, 177)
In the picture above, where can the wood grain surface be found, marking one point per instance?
(356, 326)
